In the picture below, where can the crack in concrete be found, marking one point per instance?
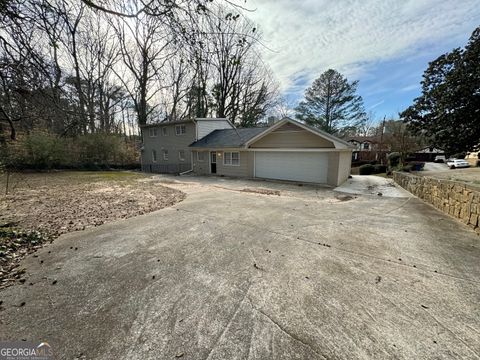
(225, 329)
(453, 334)
(285, 331)
(412, 317)
(332, 247)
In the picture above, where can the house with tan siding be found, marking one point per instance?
(287, 150)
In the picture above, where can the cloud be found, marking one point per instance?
(354, 36)
(376, 105)
(410, 88)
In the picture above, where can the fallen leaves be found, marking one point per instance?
(58, 209)
(46, 212)
(15, 245)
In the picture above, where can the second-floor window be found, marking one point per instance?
(366, 146)
(180, 129)
(165, 155)
(153, 132)
(164, 131)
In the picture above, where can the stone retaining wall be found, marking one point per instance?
(454, 198)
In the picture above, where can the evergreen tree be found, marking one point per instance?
(448, 111)
(331, 104)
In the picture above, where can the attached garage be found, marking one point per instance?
(287, 150)
(295, 166)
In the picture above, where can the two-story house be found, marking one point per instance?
(369, 148)
(286, 150)
(166, 144)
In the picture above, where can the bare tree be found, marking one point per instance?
(144, 46)
(172, 59)
(368, 126)
(230, 79)
(179, 77)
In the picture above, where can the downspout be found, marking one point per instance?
(191, 169)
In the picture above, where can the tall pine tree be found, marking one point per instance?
(331, 104)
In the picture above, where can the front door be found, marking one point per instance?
(213, 162)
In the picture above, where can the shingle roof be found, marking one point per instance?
(229, 138)
(372, 139)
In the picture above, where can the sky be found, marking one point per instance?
(384, 44)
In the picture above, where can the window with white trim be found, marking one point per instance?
(164, 131)
(153, 132)
(201, 155)
(154, 155)
(231, 158)
(180, 129)
(181, 155)
(165, 155)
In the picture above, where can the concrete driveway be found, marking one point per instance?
(372, 185)
(434, 167)
(232, 274)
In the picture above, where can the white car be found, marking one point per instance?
(457, 163)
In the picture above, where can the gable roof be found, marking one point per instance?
(244, 137)
(338, 143)
(362, 139)
(228, 138)
(430, 149)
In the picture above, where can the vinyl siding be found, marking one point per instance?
(173, 143)
(205, 127)
(236, 171)
(339, 167)
(332, 175)
(245, 169)
(292, 139)
(201, 167)
(345, 166)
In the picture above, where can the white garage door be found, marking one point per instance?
(296, 166)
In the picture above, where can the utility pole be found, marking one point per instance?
(381, 140)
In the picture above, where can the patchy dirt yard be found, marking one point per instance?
(42, 206)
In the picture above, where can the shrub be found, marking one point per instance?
(359, 163)
(460, 155)
(363, 162)
(44, 151)
(406, 168)
(379, 169)
(41, 150)
(366, 169)
(393, 159)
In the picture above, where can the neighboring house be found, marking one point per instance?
(287, 150)
(368, 148)
(364, 143)
(428, 153)
(166, 144)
